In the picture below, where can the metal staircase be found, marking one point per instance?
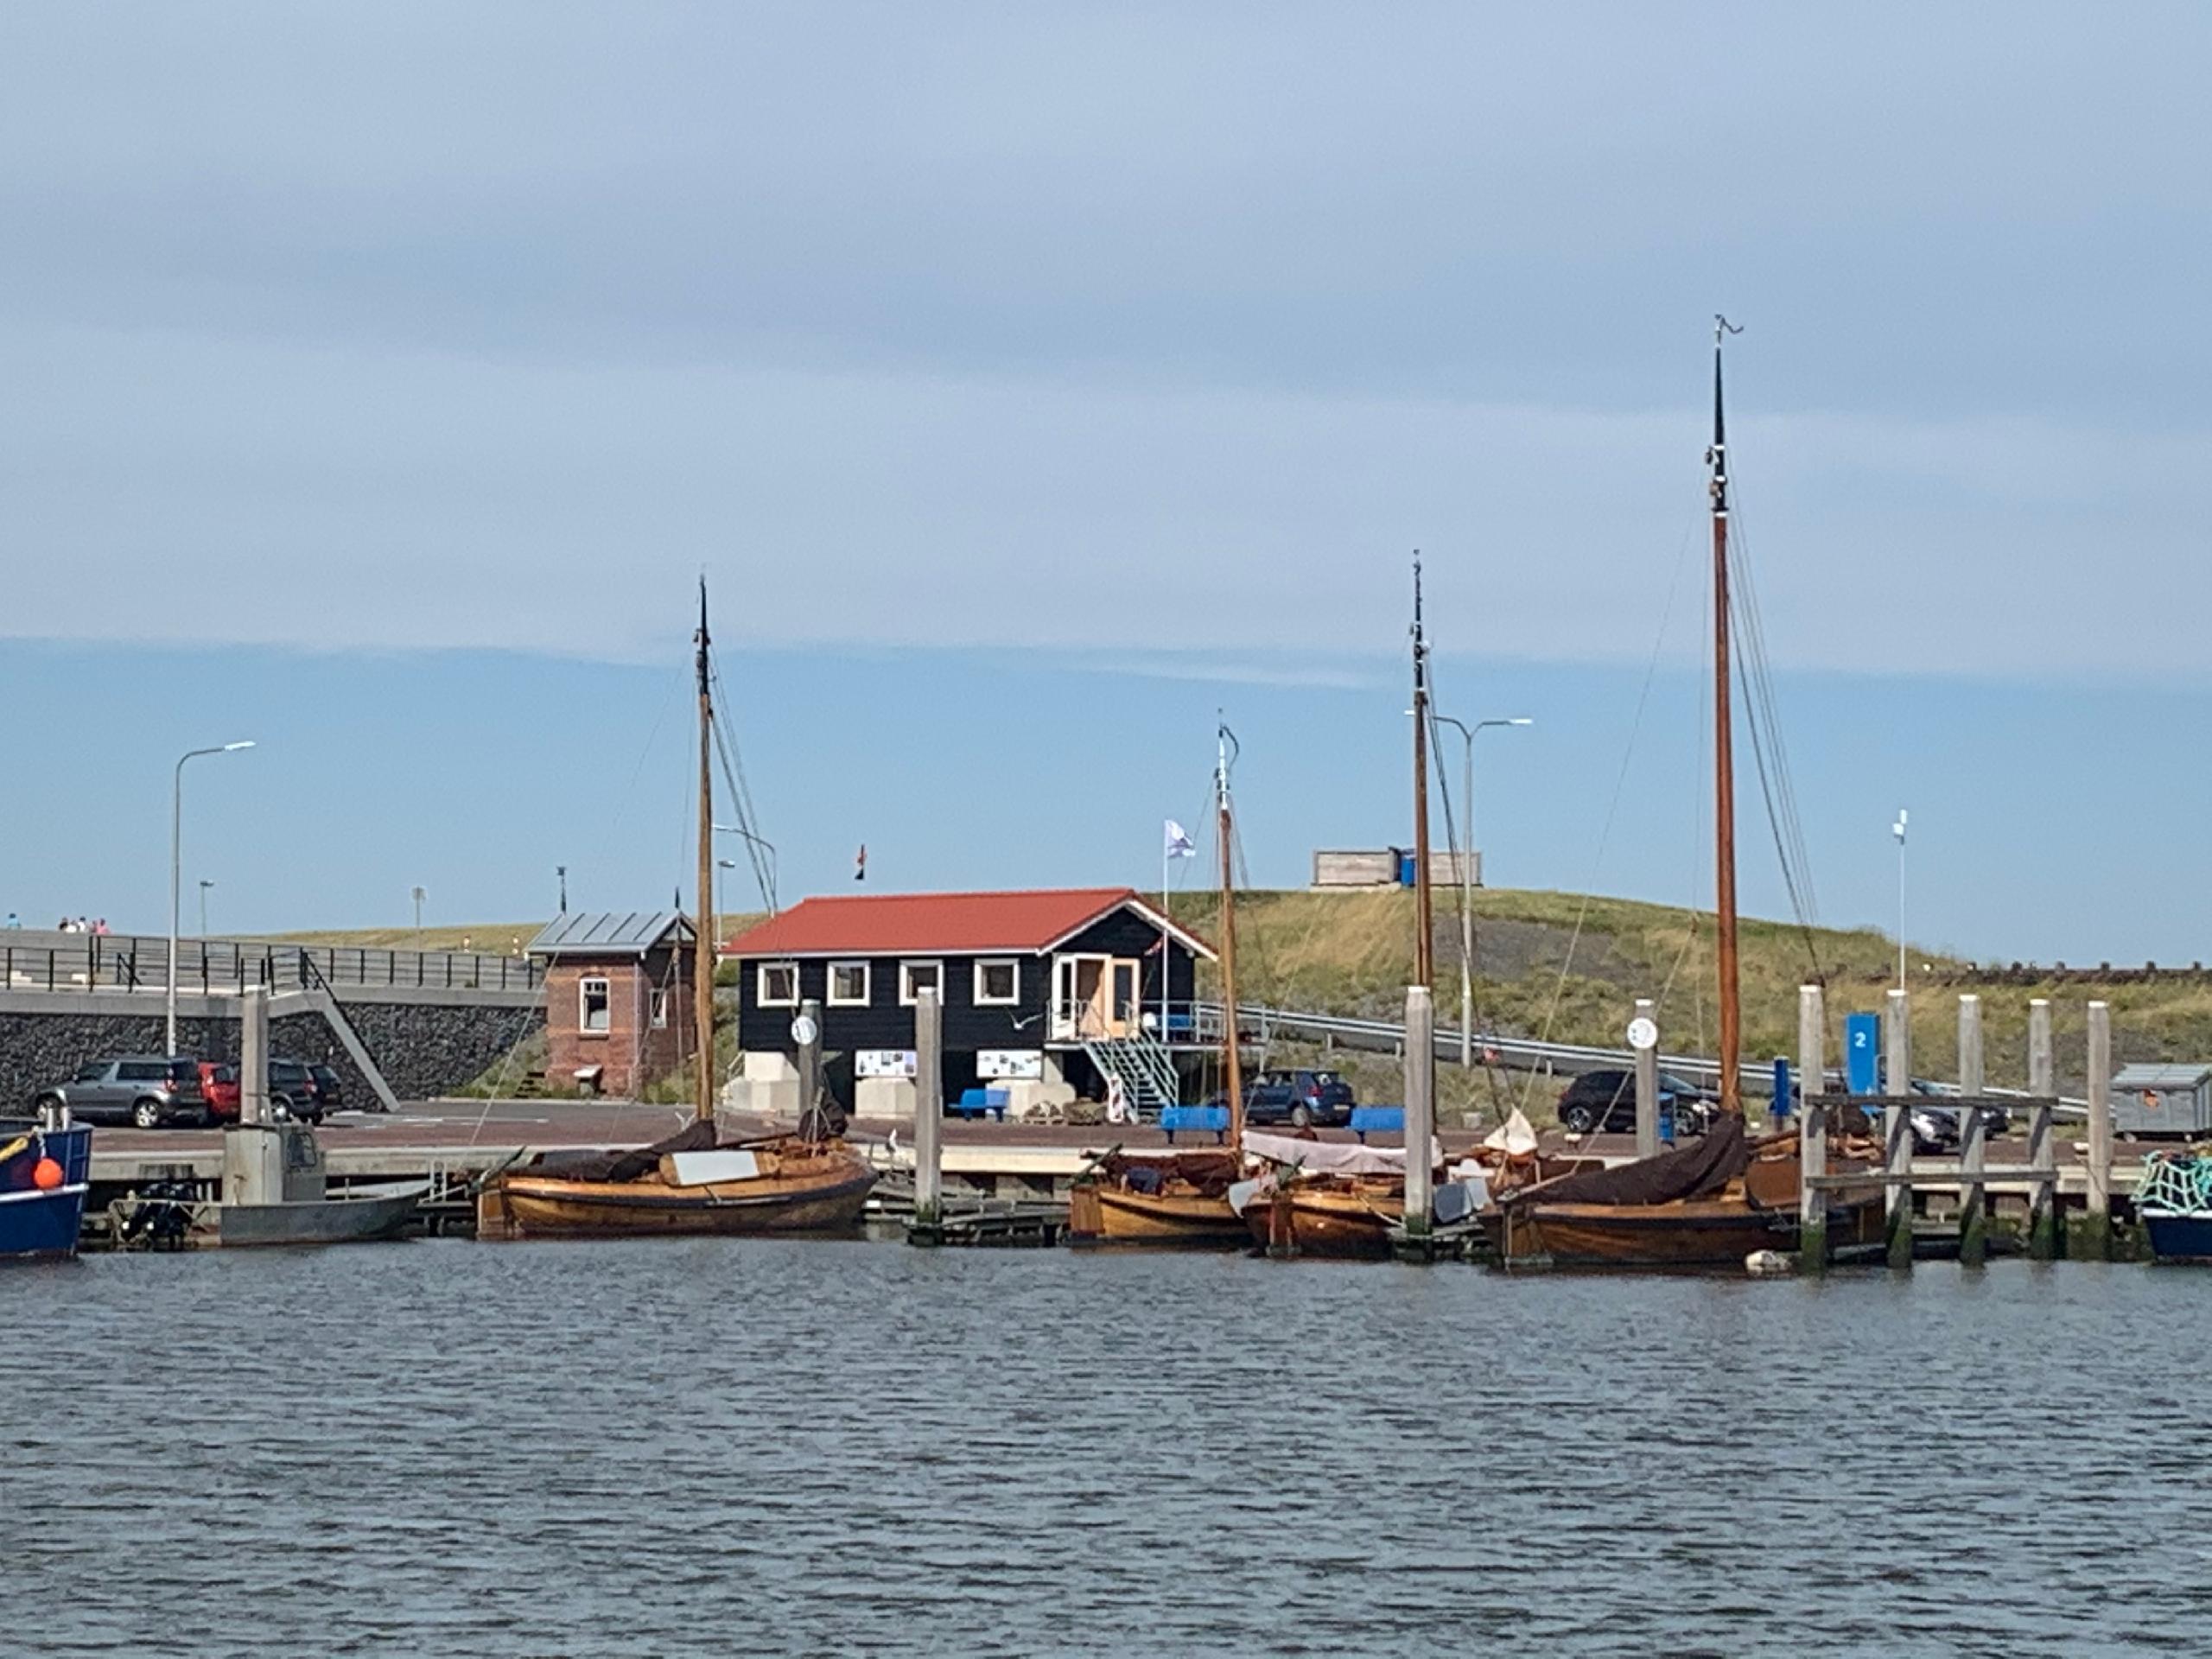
(1140, 1060)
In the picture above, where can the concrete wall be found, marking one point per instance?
(424, 1046)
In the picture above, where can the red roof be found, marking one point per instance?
(893, 924)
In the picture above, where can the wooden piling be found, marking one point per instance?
(1420, 1111)
(2043, 1147)
(1647, 1085)
(1897, 1087)
(810, 1056)
(1812, 1131)
(253, 1055)
(2097, 1232)
(1974, 1218)
(929, 1118)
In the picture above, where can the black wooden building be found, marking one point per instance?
(1031, 984)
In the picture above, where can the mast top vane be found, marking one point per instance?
(1718, 454)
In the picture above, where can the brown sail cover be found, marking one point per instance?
(698, 1135)
(1208, 1173)
(1705, 1166)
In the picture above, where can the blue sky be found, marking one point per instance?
(378, 377)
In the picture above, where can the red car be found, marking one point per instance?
(219, 1084)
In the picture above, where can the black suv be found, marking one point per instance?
(1606, 1101)
(1305, 1099)
(144, 1090)
(292, 1091)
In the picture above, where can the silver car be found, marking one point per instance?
(144, 1090)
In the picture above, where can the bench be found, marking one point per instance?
(978, 1102)
(1199, 1119)
(1377, 1120)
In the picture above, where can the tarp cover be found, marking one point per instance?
(697, 1135)
(1210, 1173)
(1706, 1165)
(1331, 1157)
(1516, 1137)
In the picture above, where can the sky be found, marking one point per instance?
(1031, 381)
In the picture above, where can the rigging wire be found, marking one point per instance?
(758, 851)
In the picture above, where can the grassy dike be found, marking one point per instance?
(1569, 967)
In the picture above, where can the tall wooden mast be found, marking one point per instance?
(1424, 919)
(1724, 758)
(1231, 1065)
(702, 948)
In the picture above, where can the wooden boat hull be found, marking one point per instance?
(1105, 1214)
(820, 1195)
(1691, 1233)
(1305, 1219)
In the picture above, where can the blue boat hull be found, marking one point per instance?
(2177, 1237)
(37, 1225)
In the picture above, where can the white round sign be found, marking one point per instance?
(1642, 1034)
(804, 1031)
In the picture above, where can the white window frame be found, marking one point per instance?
(983, 999)
(761, 985)
(867, 985)
(583, 1004)
(906, 997)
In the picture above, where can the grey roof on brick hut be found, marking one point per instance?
(611, 932)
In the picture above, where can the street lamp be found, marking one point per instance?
(720, 864)
(764, 844)
(176, 872)
(1897, 829)
(203, 885)
(418, 895)
(1467, 875)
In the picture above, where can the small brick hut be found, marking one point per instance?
(618, 998)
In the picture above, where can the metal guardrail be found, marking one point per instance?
(132, 962)
(1525, 1053)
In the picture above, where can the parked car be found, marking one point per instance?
(327, 1092)
(1606, 1100)
(145, 1091)
(1304, 1099)
(219, 1084)
(292, 1091)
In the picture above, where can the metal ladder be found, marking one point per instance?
(1143, 1064)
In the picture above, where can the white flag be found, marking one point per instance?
(1180, 844)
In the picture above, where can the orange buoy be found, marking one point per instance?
(46, 1174)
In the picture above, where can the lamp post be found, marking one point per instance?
(176, 874)
(764, 845)
(720, 864)
(418, 895)
(1467, 875)
(1897, 829)
(203, 885)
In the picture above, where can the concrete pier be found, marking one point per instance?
(1813, 1139)
(1974, 1157)
(2096, 1231)
(2042, 1147)
(1897, 1088)
(929, 1120)
(1421, 1110)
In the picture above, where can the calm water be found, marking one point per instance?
(757, 1447)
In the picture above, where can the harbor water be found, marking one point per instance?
(763, 1447)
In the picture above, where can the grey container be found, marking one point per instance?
(2163, 1100)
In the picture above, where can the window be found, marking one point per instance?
(592, 1006)
(776, 985)
(998, 982)
(140, 1072)
(848, 985)
(660, 1010)
(916, 976)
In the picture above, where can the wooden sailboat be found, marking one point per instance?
(1350, 1214)
(1712, 1203)
(1181, 1198)
(811, 1182)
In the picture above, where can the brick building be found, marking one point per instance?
(618, 997)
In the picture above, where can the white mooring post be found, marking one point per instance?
(1812, 1130)
(2098, 1233)
(928, 1109)
(2042, 1148)
(809, 1058)
(1647, 1084)
(1421, 1109)
(1897, 1117)
(253, 1055)
(1973, 1222)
